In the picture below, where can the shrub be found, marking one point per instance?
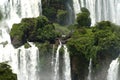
(34, 30)
(83, 18)
(61, 16)
(6, 73)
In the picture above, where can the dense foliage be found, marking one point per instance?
(83, 18)
(6, 72)
(101, 43)
(34, 30)
(103, 38)
(55, 10)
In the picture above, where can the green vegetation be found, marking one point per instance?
(62, 30)
(1, 15)
(61, 16)
(43, 47)
(34, 30)
(101, 43)
(55, 10)
(83, 18)
(6, 72)
(91, 42)
(27, 45)
(94, 41)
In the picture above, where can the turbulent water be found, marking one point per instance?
(100, 9)
(113, 70)
(23, 61)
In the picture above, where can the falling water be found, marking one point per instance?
(56, 68)
(90, 70)
(67, 70)
(100, 9)
(27, 63)
(76, 6)
(23, 61)
(113, 70)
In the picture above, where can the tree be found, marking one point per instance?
(6, 73)
(83, 18)
(34, 30)
(61, 16)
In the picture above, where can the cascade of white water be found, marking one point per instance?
(67, 70)
(27, 63)
(99, 9)
(14, 10)
(76, 6)
(23, 61)
(56, 68)
(90, 70)
(113, 70)
(70, 15)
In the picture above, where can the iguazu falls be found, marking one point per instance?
(59, 39)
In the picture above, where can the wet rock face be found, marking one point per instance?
(78, 68)
(100, 66)
(16, 42)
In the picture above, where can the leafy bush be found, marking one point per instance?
(17, 35)
(34, 30)
(27, 45)
(61, 16)
(6, 72)
(62, 30)
(83, 9)
(50, 13)
(83, 18)
(95, 41)
(50, 9)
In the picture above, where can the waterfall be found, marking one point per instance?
(56, 68)
(27, 63)
(100, 9)
(76, 6)
(70, 13)
(67, 73)
(66, 69)
(23, 61)
(90, 70)
(113, 70)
